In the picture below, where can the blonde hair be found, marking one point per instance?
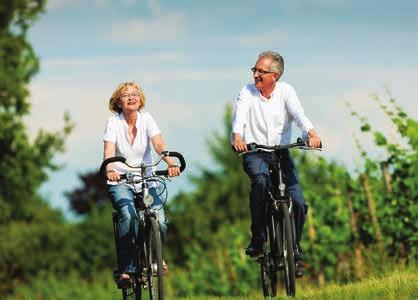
(113, 101)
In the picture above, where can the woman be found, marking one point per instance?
(129, 133)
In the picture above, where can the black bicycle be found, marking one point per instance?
(279, 250)
(149, 274)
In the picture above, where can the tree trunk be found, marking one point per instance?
(372, 209)
(311, 233)
(358, 258)
(386, 176)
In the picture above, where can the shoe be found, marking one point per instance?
(155, 268)
(124, 281)
(299, 264)
(254, 249)
(299, 268)
(165, 268)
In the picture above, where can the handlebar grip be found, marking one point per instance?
(300, 140)
(161, 172)
(180, 157)
(108, 161)
(172, 154)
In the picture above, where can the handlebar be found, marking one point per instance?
(253, 147)
(145, 166)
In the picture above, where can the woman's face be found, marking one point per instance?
(129, 99)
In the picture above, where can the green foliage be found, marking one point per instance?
(91, 195)
(94, 242)
(33, 237)
(71, 286)
(398, 208)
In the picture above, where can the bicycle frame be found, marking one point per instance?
(277, 193)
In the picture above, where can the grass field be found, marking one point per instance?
(398, 285)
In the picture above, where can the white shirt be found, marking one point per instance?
(116, 131)
(268, 121)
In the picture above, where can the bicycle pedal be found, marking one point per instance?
(124, 283)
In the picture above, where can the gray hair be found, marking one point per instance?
(277, 65)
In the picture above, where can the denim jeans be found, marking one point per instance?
(122, 198)
(256, 165)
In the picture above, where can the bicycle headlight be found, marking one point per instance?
(148, 199)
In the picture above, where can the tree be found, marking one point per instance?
(24, 164)
(90, 195)
(27, 223)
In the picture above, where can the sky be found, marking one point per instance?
(193, 57)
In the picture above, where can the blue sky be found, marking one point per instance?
(193, 57)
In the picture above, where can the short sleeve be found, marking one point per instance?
(110, 131)
(152, 127)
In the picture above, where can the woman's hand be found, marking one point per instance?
(173, 170)
(112, 175)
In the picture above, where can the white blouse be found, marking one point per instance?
(116, 131)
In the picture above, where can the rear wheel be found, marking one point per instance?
(287, 252)
(154, 261)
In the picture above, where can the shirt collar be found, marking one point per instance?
(138, 116)
(264, 99)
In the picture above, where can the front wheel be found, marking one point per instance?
(154, 261)
(268, 270)
(268, 277)
(287, 251)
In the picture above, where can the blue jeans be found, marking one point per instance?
(122, 198)
(256, 165)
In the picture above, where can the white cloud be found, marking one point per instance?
(56, 5)
(265, 39)
(192, 75)
(127, 60)
(160, 28)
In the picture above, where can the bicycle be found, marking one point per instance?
(148, 241)
(280, 246)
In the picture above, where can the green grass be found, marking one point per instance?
(398, 284)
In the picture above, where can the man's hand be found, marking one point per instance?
(238, 144)
(314, 139)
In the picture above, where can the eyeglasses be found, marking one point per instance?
(128, 95)
(261, 72)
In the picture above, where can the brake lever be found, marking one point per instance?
(250, 151)
(309, 148)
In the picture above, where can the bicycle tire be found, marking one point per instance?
(288, 252)
(125, 294)
(137, 287)
(268, 270)
(154, 261)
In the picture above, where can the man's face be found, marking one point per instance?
(263, 77)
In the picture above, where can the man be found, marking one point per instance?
(264, 112)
